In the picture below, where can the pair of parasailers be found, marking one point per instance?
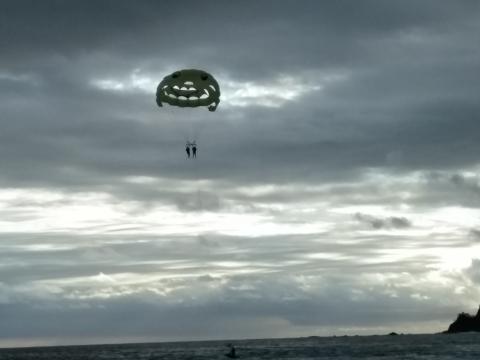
(191, 148)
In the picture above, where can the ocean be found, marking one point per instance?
(405, 347)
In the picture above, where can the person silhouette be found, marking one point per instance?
(194, 149)
(187, 149)
(232, 354)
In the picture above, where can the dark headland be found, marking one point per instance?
(465, 322)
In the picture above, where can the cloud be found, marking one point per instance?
(473, 271)
(379, 223)
(475, 234)
(304, 302)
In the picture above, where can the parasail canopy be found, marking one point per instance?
(189, 88)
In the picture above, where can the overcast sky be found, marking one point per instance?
(336, 189)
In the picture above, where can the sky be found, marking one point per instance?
(336, 189)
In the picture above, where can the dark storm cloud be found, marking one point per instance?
(59, 25)
(391, 111)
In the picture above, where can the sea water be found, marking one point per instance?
(404, 347)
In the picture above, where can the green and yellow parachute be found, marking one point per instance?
(189, 88)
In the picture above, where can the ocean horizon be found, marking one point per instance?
(411, 346)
